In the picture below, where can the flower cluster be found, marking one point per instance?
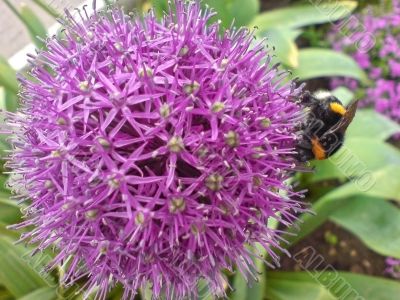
(373, 40)
(154, 151)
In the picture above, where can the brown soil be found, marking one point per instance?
(347, 254)
(268, 4)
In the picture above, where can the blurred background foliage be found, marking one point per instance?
(357, 190)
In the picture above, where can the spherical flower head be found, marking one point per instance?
(373, 40)
(154, 151)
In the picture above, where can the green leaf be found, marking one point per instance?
(308, 222)
(16, 273)
(9, 212)
(343, 94)
(204, 292)
(116, 293)
(244, 291)
(8, 76)
(341, 285)
(252, 290)
(244, 11)
(375, 221)
(285, 48)
(6, 232)
(240, 11)
(373, 125)
(223, 10)
(299, 16)
(160, 7)
(357, 157)
(46, 293)
(146, 293)
(4, 191)
(295, 289)
(31, 21)
(370, 288)
(11, 101)
(47, 8)
(383, 183)
(4, 294)
(316, 62)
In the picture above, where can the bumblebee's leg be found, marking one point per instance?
(306, 98)
(304, 148)
(304, 155)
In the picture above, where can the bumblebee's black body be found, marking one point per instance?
(322, 133)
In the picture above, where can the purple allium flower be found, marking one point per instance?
(393, 267)
(154, 151)
(373, 40)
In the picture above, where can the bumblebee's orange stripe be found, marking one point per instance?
(317, 149)
(337, 108)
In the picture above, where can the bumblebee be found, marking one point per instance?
(322, 132)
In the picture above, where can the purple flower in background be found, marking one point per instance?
(381, 60)
(154, 151)
(393, 267)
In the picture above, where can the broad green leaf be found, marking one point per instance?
(204, 292)
(318, 62)
(240, 288)
(4, 294)
(9, 211)
(11, 101)
(223, 10)
(241, 12)
(46, 293)
(31, 21)
(373, 125)
(308, 222)
(3, 98)
(341, 285)
(248, 291)
(17, 272)
(8, 76)
(146, 293)
(34, 25)
(293, 34)
(299, 16)
(4, 191)
(160, 6)
(294, 289)
(244, 11)
(383, 183)
(254, 290)
(47, 8)
(371, 288)
(357, 157)
(343, 94)
(375, 221)
(6, 232)
(284, 46)
(116, 293)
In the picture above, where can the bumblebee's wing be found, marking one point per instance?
(345, 121)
